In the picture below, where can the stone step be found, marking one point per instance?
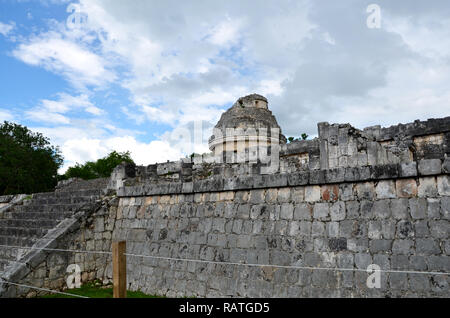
(17, 241)
(85, 185)
(23, 232)
(59, 201)
(37, 215)
(48, 208)
(29, 223)
(68, 194)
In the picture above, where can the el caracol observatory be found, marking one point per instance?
(246, 128)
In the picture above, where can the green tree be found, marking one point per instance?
(304, 136)
(28, 162)
(101, 168)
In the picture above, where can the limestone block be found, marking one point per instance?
(443, 184)
(385, 189)
(312, 193)
(429, 167)
(406, 188)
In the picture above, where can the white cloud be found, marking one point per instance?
(6, 115)
(51, 111)
(226, 32)
(5, 29)
(63, 56)
(41, 115)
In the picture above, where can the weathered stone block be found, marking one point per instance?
(329, 192)
(427, 187)
(445, 207)
(257, 196)
(405, 229)
(366, 209)
(335, 175)
(429, 167)
(362, 260)
(377, 245)
(381, 209)
(271, 195)
(446, 165)
(312, 193)
(333, 229)
(374, 230)
(443, 183)
(365, 190)
(399, 208)
(421, 228)
(434, 207)
(303, 211)
(427, 246)
(317, 177)
(337, 244)
(440, 229)
(398, 281)
(418, 208)
(337, 211)
(406, 188)
(402, 247)
(346, 192)
(284, 195)
(408, 169)
(352, 209)
(297, 179)
(298, 194)
(287, 211)
(321, 211)
(386, 171)
(385, 189)
(318, 229)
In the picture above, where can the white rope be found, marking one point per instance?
(284, 266)
(42, 289)
(234, 263)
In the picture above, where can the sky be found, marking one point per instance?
(142, 75)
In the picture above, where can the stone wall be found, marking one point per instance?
(369, 216)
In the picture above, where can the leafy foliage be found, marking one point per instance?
(302, 137)
(28, 162)
(102, 168)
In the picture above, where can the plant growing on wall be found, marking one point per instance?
(101, 168)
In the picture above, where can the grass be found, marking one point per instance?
(93, 290)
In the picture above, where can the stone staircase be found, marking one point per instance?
(24, 224)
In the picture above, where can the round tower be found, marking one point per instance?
(244, 128)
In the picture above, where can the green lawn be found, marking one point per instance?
(93, 290)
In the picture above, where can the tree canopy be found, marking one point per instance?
(101, 168)
(28, 162)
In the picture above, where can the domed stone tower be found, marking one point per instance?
(247, 126)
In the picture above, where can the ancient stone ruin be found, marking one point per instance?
(223, 224)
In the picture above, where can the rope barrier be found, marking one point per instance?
(283, 266)
(233, 263)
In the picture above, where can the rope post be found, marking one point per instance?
(119, 269)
